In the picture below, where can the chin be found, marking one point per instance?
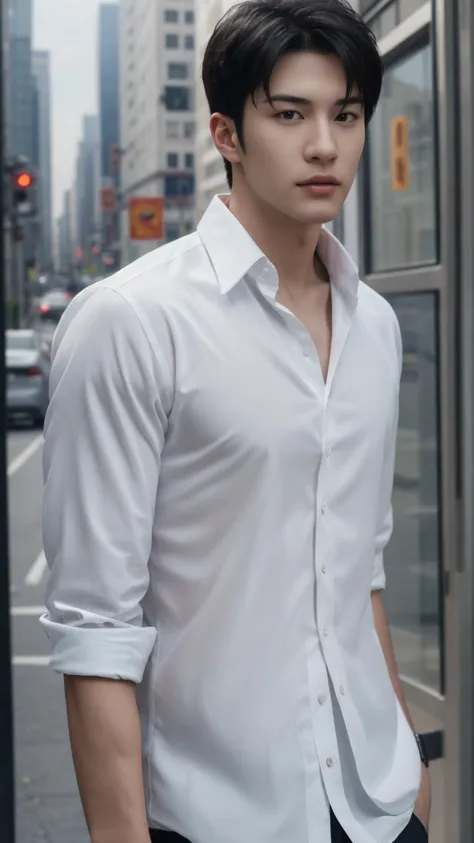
(319, 216)
(319, 212)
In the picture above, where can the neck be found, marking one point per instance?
(290, 246)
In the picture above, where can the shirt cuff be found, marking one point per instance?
(379, 579)
(110, 653)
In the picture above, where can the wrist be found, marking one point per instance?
(121, 835)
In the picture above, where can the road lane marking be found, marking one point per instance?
(36, 572)
(30, 661)
(25, 455)
(27, 611)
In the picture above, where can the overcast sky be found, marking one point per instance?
(68, 29)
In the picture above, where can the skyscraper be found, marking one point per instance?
(86, 229)
(20, 80)
(42, 153)
(109, 118)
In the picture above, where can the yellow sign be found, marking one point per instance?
(400, 158)
(146, 218)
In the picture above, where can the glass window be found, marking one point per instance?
(413, 556)
(172, 159)
(171, 41)
(171, 16)
(17, 340)
(172, 129)
(189, 160)
(189, 17)
(177, 98)
(189, 130)
(178, 185)
(172, 231)
(178, 71)
(189, 42)
(402, 167)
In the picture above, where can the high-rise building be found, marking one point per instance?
(65, 251)
(42, 154)
(86, 231)
(20, 80)
(157, 113)
(109, 122)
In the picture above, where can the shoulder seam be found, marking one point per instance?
(155, 265)
(159, 359)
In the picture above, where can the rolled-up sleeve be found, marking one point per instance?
(385, 512)
(104, 436)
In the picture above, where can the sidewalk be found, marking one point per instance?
(48, 808)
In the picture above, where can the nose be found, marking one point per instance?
(320, 144)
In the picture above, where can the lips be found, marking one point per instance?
(319, 180)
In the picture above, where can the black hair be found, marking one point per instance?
(253, 35)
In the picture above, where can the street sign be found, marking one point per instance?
(108, 200)
(146, 218)
(399, 154)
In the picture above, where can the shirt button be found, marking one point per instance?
(329, 762)
(342, 690)
(325, 632)
(322, 699)
(324, 569)
(323, 509)
(327, 453)
(306, 352)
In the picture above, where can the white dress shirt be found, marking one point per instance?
(215, 517)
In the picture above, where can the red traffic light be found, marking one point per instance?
(23, 180)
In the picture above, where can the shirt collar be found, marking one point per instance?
(233, 252)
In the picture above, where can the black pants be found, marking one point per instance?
(413, 833)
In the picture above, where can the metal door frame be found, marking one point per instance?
(463, 13)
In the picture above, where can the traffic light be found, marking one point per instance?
(22, 183)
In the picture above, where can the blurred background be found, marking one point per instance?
(106, 155)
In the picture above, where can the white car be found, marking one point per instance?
(27, 375)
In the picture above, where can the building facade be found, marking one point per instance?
(157, 91)
(42, 155)
(109, 128)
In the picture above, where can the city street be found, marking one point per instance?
(48, 807)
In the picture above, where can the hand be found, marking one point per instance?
(423, 802)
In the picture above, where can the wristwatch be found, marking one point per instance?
(422, 749)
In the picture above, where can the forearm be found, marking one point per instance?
(383, 631)
(105, 738)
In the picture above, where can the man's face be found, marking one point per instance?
(306, 132)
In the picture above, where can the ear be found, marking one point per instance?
(225, 138)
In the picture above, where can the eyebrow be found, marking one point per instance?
(293, 100)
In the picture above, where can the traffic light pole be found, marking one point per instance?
(7, 800)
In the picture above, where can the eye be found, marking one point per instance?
(289, 116)
(347, 117)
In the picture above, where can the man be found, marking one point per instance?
(219, 462)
